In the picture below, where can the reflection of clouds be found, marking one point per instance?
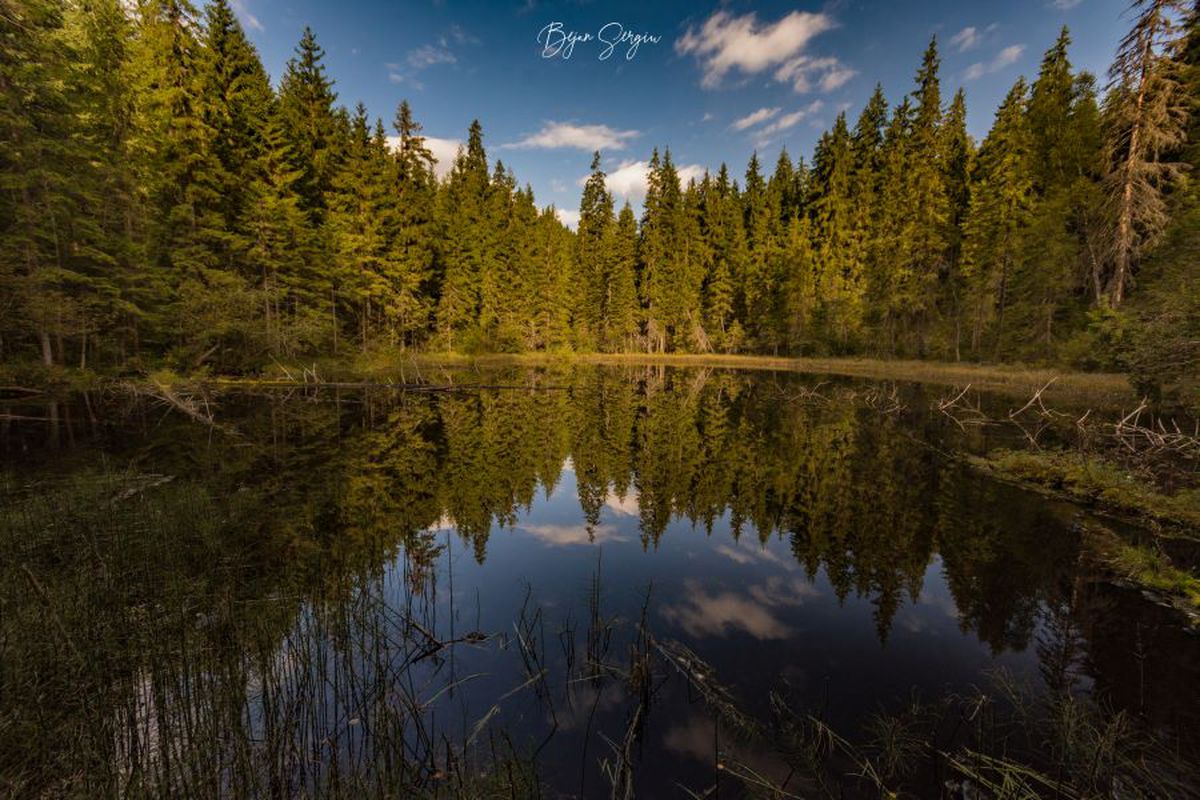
(445, 523)
(780, 591)
(934, 603)
(581, 697)
(569, 535)
(626, 506)
(743, 554)
(942, 602)
(694, 739)
(721, 613)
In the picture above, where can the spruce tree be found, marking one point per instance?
(1146, 112)
(237, 100)
(672, 270)
(412, 229)
(1064, 150)
(838, 277)
(928, 201)
(865, 190)
(621, 321)
(997, 219)
(357, 227)
(891, 243)
(800, 293)
(694, 263)
(110, 287)
(35, 156)
(306, 109)
(282, 253)
(760, 281)
(727, 242)
(464, 238)
(957, 156)
(497, 252)
(659, 210)
(593, 258)
(181, 179)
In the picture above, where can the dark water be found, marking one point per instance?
(352, 588)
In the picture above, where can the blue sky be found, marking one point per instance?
(723, 79)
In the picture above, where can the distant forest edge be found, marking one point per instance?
(163, 204)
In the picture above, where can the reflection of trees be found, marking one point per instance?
(319, 493)
(349, 478)
(1003, 557)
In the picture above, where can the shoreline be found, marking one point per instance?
(1107, 390)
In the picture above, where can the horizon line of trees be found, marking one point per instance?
(161, 200)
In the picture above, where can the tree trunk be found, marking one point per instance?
(1123, 245)
(47, 350)
(1002, 301)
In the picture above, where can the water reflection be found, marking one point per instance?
(353, 575)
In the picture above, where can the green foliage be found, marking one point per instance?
(162, 199)
(1104, 344)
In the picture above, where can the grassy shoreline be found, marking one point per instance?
(1014, 380)
(1107, 390)
(1113, 491)
(1096, 482)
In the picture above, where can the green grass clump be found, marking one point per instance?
(1153, 570)
(1097, 481)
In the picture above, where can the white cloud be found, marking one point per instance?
(788, 121)
(1066, 5)
(429, 55)
(581, 137)
(1004, 58)
(567, 217)
(836, 77)
(725, 42)
(965, 39)
(443, 150)
(629, 179)
(248, 19)
(827, 72)
(398, 75)
(753, 118)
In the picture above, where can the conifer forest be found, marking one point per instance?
(164, 202)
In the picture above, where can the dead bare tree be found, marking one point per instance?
(1146, 113)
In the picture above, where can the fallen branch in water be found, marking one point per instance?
(1140, 441)
(961, 412)
(186, 404)
(1036, 399)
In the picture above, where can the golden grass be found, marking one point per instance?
(1076, 388)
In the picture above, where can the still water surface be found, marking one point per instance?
(376, 586)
